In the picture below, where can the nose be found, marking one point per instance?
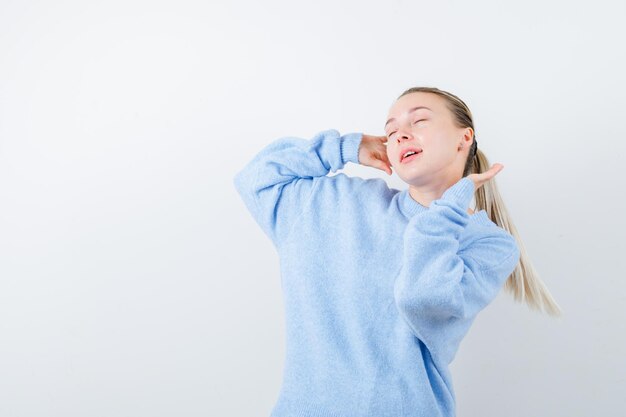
(401, 136)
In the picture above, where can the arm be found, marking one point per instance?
(440, 290)
(276, 184)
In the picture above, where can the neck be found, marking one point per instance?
(426, 194)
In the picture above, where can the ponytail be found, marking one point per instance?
(523, 283)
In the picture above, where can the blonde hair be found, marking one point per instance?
(523, 283)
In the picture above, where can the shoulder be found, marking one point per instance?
(345, 186)
(342, 189)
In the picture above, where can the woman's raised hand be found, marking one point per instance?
(373, 153)
(483, 177)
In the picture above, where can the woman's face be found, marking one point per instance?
(430, 130)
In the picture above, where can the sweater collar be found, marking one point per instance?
(410, 207)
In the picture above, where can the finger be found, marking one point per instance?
(384, 167)
(495, 168)
(490, 173)
(480, 179)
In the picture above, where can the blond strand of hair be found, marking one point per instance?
(524, 283)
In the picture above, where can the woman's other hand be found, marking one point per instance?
(373, 153)
(483, 177)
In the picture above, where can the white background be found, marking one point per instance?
(133, 282)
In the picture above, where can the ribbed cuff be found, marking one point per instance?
(461, 192)
(350, 147)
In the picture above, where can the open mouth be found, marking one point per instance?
(410, 155)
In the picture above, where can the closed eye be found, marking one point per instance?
(415, 122)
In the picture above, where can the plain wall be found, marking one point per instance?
(133, 282)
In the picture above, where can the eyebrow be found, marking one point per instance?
(411, 110)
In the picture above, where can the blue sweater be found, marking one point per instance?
(378, 290)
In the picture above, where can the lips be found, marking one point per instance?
(405, 150)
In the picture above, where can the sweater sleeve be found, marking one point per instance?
(277, 183)
(440, 289)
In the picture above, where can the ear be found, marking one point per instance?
(468, 135)
(466, 139)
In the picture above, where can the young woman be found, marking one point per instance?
(381, 285)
